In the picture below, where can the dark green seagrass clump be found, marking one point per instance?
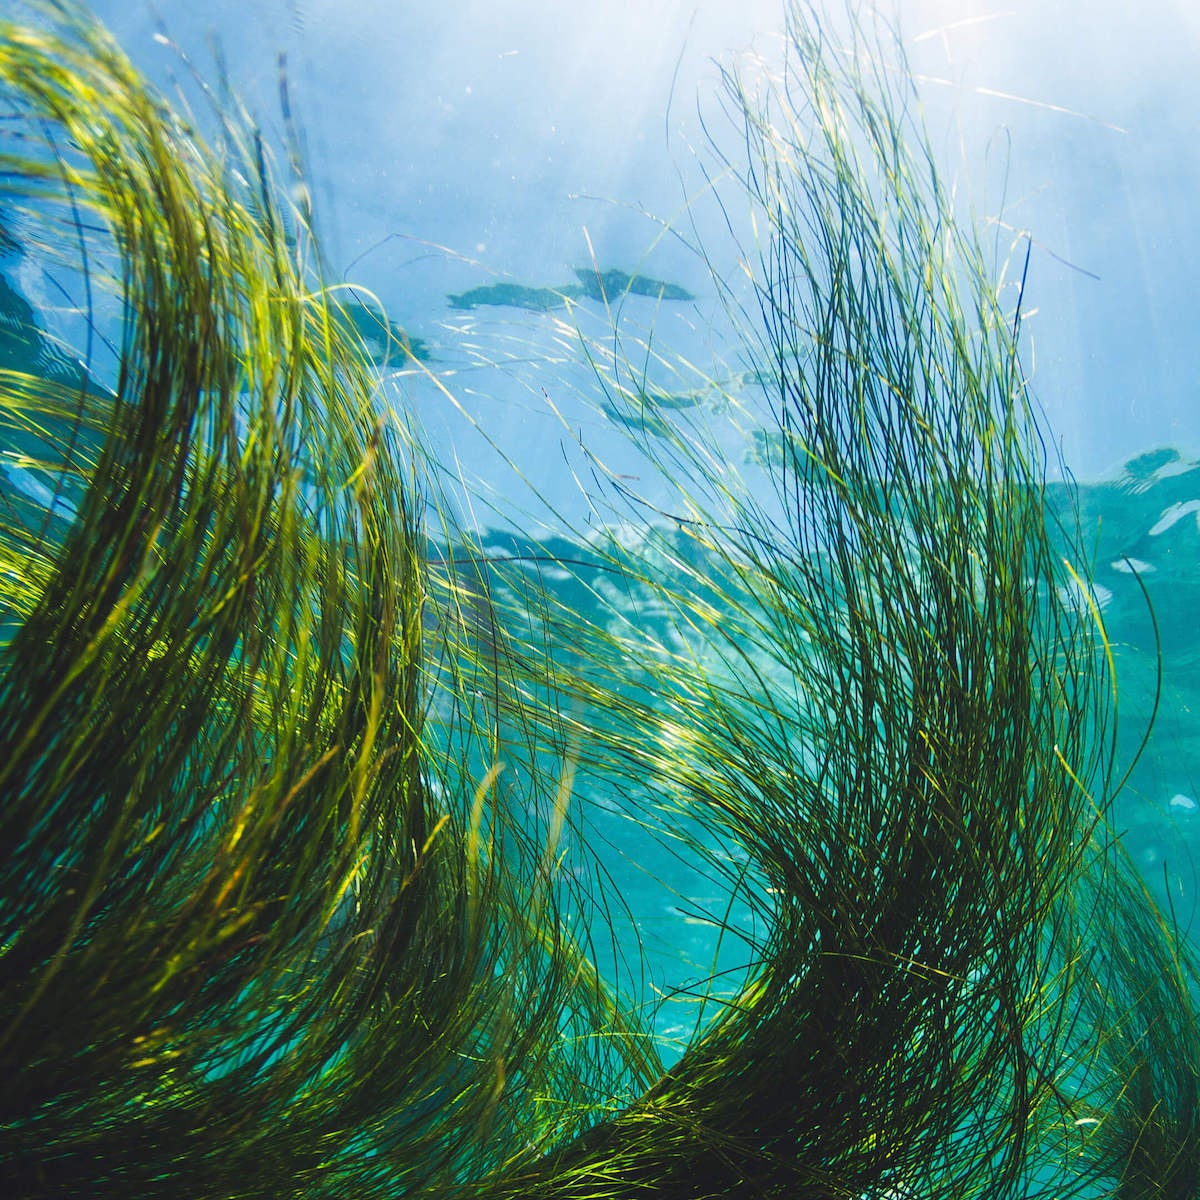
(260, 934)
(297, 897)
(886, 719)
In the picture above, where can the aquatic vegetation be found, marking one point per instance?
(259, 937)
(386, 343)
(515, 295)
(611, 285)
(297, 787)
(906, 781)
(1137, 997)
(594, 284)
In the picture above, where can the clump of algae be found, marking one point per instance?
(274, 921)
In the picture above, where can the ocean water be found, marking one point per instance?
(517, 206)
(497, 144)
(510, 188)
(1142, 529)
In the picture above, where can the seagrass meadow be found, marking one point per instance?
(305, 791)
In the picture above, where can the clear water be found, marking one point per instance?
(469, 160)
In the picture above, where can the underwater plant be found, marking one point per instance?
(593, 284)
(294, 770)
(247, 948)
(1136, 1102)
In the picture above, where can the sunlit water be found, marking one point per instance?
(477, 169)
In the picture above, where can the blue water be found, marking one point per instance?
(456, 147)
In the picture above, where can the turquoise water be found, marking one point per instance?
(1143, 526)
(674, 923)
(1142, 529)
(556, 370)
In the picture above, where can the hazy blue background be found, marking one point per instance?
(470, 141)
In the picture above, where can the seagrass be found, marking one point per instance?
(296, 897)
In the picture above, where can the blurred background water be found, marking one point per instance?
(468, 143)
(472, 163)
